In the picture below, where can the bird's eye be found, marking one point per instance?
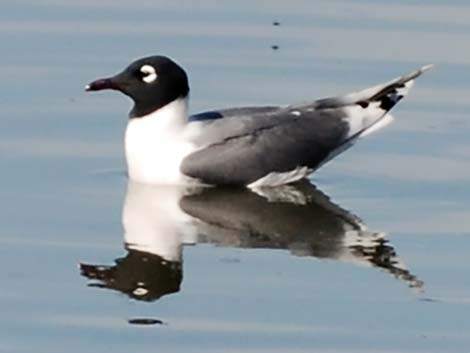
(149, 73)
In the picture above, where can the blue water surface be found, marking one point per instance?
(64, 186)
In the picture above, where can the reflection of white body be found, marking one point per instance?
(160, 219)
(153, 221)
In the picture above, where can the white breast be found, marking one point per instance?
(157, 143)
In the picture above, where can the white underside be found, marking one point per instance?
(276, 179)
(384, 121)
(363, 121)
(356, 133)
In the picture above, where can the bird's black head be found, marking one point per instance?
(151, 82)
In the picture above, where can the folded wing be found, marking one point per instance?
(278, 145)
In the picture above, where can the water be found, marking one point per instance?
(252, 275)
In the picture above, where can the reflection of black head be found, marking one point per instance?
(140, 275)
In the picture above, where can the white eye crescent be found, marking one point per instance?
(150, 73)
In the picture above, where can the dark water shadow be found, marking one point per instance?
(298, 218)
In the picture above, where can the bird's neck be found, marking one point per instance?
(142, 110)
(171, 116)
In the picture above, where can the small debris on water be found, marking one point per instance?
(429, 300)
(145, 321)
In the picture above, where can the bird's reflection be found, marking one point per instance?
(155, 228)
(158, 221)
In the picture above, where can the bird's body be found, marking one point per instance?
(252, 146)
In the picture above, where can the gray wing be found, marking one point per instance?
(281, 139)
(262, 143)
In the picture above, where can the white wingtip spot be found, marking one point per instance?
(426, 67)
